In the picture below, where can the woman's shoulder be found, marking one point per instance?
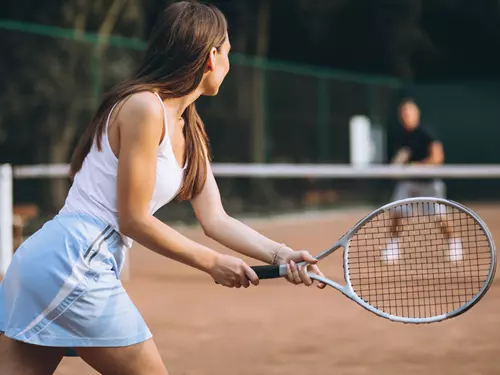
(141, 117)
(144, 105)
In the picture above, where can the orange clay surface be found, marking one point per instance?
(281, 329)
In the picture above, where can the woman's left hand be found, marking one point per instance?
(298, 275)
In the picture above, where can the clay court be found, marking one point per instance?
(277, 328)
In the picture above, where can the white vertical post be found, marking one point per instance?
(361, 147)
(6, 215)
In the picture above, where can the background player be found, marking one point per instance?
(416, 145)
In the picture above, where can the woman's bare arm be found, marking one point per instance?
(140, 122)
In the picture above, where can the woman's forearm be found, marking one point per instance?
(239, 237)
(164, 240)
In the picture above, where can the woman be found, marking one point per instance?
(145, 146)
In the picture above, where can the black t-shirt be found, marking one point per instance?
(418, 142)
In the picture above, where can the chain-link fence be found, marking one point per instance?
(267, 111)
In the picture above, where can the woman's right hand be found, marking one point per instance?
(232, 272)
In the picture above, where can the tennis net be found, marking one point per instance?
(252, 190)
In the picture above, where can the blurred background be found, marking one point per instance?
(313, 84)
(301, 71)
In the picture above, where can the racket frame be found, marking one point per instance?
(347, 288)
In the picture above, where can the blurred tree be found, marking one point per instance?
(467, 36)
(436, 39)
(259, 146)
(50, 82)
(376, 36)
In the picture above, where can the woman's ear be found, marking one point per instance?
(210, 66)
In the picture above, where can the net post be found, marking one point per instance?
(6, 219)
(361, 148)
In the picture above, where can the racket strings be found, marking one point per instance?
(419, 260)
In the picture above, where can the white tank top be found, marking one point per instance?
(94, 189)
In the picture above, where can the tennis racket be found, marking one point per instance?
(402, 156)
(416, 260)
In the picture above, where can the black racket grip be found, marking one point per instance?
(267, 272)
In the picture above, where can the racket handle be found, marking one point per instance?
(267, 272)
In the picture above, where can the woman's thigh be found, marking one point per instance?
(20, 358)
(138, 359)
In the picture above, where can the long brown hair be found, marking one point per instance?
(173, 65)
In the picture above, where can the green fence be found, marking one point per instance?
(266, 111)
(272, 110)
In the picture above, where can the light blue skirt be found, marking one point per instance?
(62, 288)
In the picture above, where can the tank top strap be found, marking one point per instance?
(109, 118)
(165, 138)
